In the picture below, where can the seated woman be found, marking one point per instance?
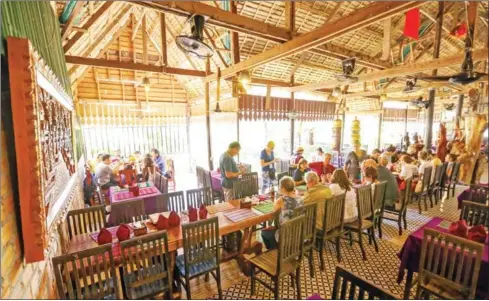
(302, 168)
(408, 169)
(352, 166)
(425, 162)
(340, 184)
(149, 169)
(370, 178)
(285, 205)
(385, 175)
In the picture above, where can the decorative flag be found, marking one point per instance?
(411, 27)
(460, 30)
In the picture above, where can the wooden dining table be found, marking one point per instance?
(226, 226)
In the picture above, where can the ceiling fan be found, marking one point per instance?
(420, 103)
(410, 86)
(193, 43)
(348, 67)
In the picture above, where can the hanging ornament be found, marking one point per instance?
(412, 23)
(460, 30)
(337, 125)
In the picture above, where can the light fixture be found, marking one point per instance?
(146, 83)
(383, 97)
(336, 92)
(245, 78)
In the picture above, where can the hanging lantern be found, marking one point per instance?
(355, 135)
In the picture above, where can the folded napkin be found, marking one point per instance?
(134, 190)
(123, 232)
(202, 212)
(478, 234)
(192, 214)
(173, 219)
(104, 237)
(459, 228)
(162, 223)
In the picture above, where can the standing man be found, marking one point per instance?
(229, 170)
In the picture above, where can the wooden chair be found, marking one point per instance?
(365, 218)
(310, 213)
(333, 220)
(246, 167)
(425, 183)
(252, 180)
(130, 176)
(475, 214)
(88, 274)
(145, 266)
(443, 180)
(244, 188)
(86, 220)
(402, 211)
(199, 171)
(346, 284)
(164, 185)
(128, 211)
(442, 272)
(478, 194)
(281, 175)
(175, 201)
(434, 189)
(283, 166)
(158, 181)
(292, 170)
(196, 197)
(286, 260)
(170, 166)
(217, 194)
(161, 203)
(451, 182)
(379, 203)
(201, 253)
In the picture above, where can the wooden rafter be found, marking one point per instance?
(290, 17)
(358, 19)
(408, 69)
(164, 48)
(213, 43)
(65, 33)
(439, 26)
(88, 25)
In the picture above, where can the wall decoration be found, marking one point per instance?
(42, 120)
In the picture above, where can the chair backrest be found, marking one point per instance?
(334, 213)
(199, 171)
(252, 177)
(145, 264)
(438, 175)
(244, 188)
(349, 286)
(309, 211)
(207, 179)
(246, 167)
(291, 241)
(379, 196)
(452, 261)
(158, 181)
(443, 176)
(475, 213)
(201, 242)
(88, 274)
(455, 172)
(199, 196)
(164, 184)
(130, 176)
(478, 194)
(282, 166)
(291, 171)
(364, 202)
(426, 178)
(281, 175)
(86, 220)
(175, 201)
(127, 211)
(408, 193)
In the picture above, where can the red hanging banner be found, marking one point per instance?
(411, 27)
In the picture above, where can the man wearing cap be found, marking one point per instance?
(297, 156)
(229, 170)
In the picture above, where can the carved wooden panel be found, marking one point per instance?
(43, 143)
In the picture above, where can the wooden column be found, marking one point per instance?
(379, 130)
(460, 105)
(343, 117)
(235, 58)
(405, 120)
(292, 120)
(207, 114)
(430, 112)
(164, 55)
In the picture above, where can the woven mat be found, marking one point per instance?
(239, 215)
(264, 208)
(213, 209)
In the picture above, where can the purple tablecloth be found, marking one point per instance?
(216, 180)
(411, 252)
(149, 202)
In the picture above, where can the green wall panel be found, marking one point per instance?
(35, 20)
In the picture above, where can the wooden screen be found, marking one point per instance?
(43, 142)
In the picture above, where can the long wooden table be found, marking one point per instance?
(84, 241)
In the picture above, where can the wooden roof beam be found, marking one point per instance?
(102, 63)
(241, 24)
(93, 18)
(354, 21)
(408, 69)
(65, 33)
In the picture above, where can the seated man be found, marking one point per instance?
(316, 193)
(104, 174)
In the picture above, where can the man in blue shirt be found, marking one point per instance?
(229, 170)
(160, 162)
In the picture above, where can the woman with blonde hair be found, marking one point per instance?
(340, 184)
(267, 161)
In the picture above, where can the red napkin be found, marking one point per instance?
(162, 223)
(192, 214)
(411, 27)
(123, 232)
(173, 219)
(478, 234)
(104, 237)
(134, 190)
(459, 228)
(202, 212)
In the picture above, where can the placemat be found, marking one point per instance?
(264, 208)
(213, 209)
(122, 195)
(148, 190)
(239, 215)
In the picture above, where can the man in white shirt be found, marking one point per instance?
(104, 173)
(425, 163)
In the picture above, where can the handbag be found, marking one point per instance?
(271, 173)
